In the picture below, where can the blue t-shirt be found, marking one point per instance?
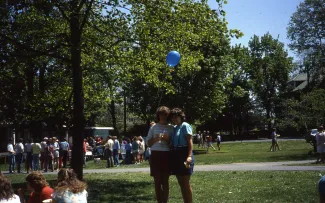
(180, 134)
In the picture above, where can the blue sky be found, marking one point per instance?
(259, 17)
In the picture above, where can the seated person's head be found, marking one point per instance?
(67, 180)
(6, 191)
(36, 180)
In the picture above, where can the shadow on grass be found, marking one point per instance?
(199, 152)
(119, 190)
(292, 157)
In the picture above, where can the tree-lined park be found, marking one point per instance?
(71, 64)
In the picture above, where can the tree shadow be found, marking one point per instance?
(119, 190)
(107, 190)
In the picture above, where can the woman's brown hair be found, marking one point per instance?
(6, 191)
(36, 180)
(162, 110)
(67, 180)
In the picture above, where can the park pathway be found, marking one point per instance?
(264, 166)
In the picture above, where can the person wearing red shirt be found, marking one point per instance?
(41, 191)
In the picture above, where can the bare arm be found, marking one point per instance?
(190, 145)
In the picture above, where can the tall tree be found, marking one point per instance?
(269, 71)
(306, 30)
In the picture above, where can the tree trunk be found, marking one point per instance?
(112, 111)
(124, 114)
(268, 117)
(30, 95)
(78, 97)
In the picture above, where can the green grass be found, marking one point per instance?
(254, 152)
(207, 187)
(235, 153)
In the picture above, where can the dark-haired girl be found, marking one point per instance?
(182, 160)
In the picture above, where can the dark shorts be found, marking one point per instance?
(218, 142)
(159, 163)
(178, 157)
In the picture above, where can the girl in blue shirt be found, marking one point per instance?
(182, 159)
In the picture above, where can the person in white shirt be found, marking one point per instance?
(29, 156)
(11, 156)
(320, 139)
(8, 196)
(158, 140)
(109, 151)
(36, 151)
(142, 148)
(218, 141)
(19, 149)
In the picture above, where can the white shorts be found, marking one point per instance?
(56, 154)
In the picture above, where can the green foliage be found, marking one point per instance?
(306, 31)
(307, 112)
(269, 71)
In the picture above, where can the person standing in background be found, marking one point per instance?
(64, 149)
(116, 151)
(36, 150)
(218, 141)
(320, 139)
(19, 148)
(85, 151)
(56, 153)
(198, 138)
(109, 151)
(43, 151)
(11, 155)
(128, 149)
(29, 155)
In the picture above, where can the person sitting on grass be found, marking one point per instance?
(69, 188)
(7, 194)
(40, 190)
(321, 189)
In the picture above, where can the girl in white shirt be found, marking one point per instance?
(7, 194)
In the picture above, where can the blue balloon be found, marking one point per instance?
(173, 58)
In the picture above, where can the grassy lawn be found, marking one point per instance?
(254, 152)
(235, 153)
(207, 187)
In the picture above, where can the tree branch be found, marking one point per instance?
(87, 12)
(51, 52)
(62, 13)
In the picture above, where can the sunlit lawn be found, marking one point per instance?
(207, 187)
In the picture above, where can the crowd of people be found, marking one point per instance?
(68, 189)
(49, 154)
(205, 140)
(131, 151)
